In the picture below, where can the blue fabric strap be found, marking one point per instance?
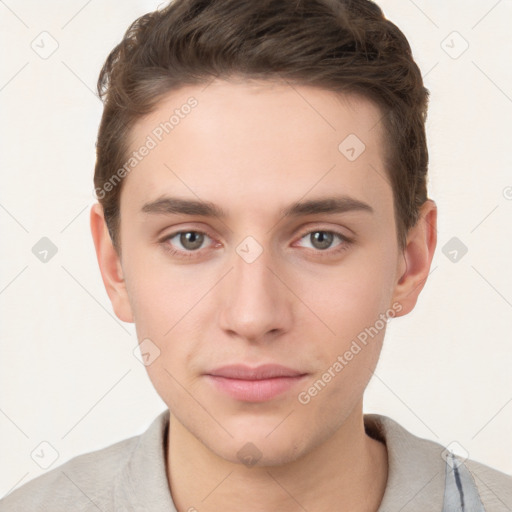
(460, 491)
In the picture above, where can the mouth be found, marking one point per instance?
(259, 384)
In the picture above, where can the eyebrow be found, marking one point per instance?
(328, 205)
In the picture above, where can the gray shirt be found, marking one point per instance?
(131, 476)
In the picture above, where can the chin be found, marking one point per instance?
(255, 448)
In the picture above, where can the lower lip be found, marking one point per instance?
(255, 390)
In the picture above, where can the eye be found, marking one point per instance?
(185, 243)
(322, 240)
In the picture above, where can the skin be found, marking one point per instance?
(254, 148)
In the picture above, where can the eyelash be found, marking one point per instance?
(343, 246)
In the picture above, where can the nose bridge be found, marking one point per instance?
(255, 302)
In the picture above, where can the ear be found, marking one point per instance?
(110, 265)
(416, 258)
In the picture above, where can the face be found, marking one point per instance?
(258, 229)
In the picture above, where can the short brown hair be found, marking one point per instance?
(339, 45)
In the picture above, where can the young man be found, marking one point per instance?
(261, 176)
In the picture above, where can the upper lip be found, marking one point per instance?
(265, 371)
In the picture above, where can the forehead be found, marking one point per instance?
(263, 107)
(240, 141)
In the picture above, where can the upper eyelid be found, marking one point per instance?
(333, 231)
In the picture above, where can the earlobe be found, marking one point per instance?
(110, 265)
(417, 258)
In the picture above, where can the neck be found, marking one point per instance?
(348, 471)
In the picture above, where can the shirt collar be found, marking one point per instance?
(416, 469)
(143, 483)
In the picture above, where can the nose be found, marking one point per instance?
(256, 305)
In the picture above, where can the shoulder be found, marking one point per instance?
(425, 475)
(82, 483)
(493, 486)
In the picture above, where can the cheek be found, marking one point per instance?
(349, 298)
(160, 294)
(168, 304)
(346, 360)
(163, 306)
